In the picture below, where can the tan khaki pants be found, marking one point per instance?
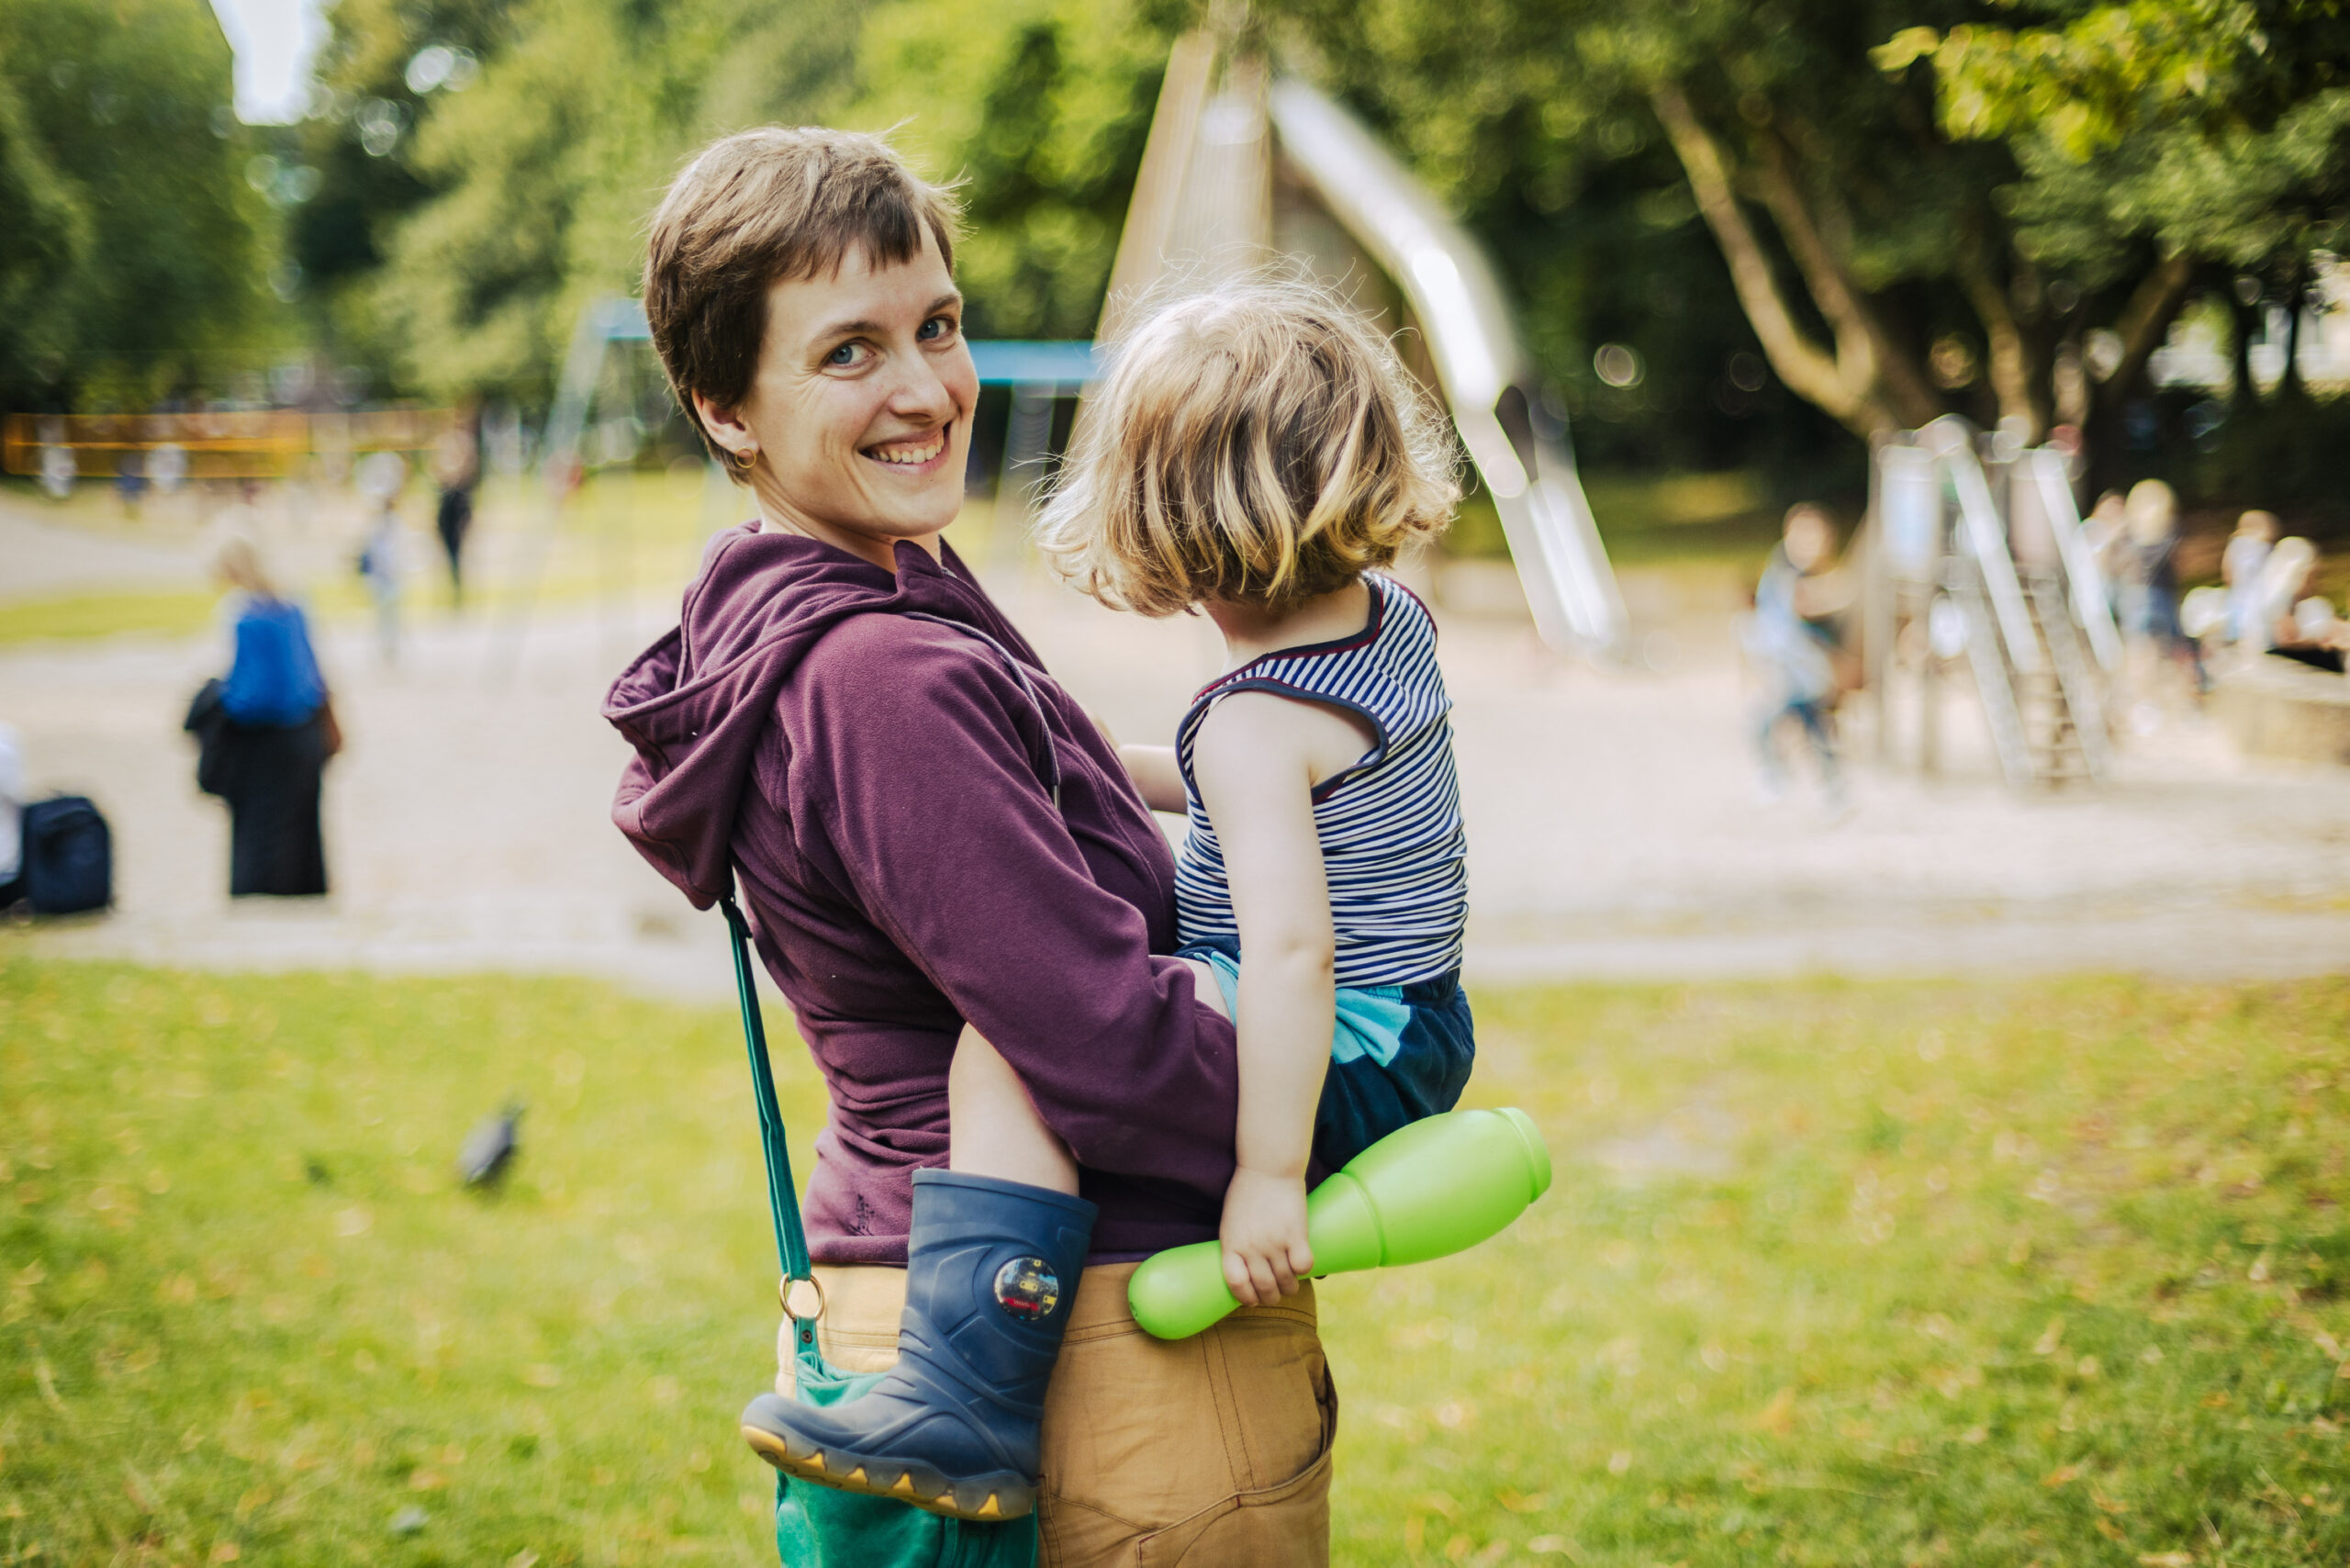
(1208, 1451)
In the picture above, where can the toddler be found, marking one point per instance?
(2240, 567)
(1256, 454)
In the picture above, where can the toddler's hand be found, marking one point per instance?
(1265, 1250)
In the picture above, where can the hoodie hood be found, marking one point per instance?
(695, 704)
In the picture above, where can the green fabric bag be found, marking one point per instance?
(818, 1527)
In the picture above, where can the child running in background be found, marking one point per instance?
(1794, 657)
(1256, 454)
(383, 558)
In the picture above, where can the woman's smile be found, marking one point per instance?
(913, 454)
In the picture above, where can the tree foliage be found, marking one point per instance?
(1918, 208)
(461, 254)
(133, 251)
(1904, 207)
(359, 137)
(1040, 110)
(2217, 130)
(2090, 77)
(1858, 238)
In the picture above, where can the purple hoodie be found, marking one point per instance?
(876, 782)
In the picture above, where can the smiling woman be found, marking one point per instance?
(842, 392)
(856, 427)
(927, 831)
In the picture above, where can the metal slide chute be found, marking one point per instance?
(1227, 163)
(1233, 154)
(1520, 452)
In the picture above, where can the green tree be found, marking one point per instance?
(1040, 110)
(1917, 211)
(45, 235)
(133, 252)
(458, 251)
(1855, 235)
(531, 186)
(2217, 130)
(385, 64)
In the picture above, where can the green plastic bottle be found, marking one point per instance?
(1436, 1187)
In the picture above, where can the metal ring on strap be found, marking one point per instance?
(783, 1291)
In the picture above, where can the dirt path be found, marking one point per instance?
(1612, 821)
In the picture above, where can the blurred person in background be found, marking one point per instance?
(2240, 566)
(12, 815)
(57, 472)
(456, 469)
(2103, 531)
(2147, 577)
(2284, 577)
(1786, 637)
(383, 557)
(2320, 638)
(167, 468)
(131, 481)
(2287, 621)
(265, 733)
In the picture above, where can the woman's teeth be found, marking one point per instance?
(910, 454)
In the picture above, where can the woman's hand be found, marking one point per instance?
(1265, 1250)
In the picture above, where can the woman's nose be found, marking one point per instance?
(922, 391)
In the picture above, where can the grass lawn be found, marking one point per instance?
(620, 531)
(1649, 518)
(170, 612)
(1893, 1274)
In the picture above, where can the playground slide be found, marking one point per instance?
(1518, 447)
(1520, 452)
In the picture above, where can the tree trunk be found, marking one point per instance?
(2018, 376)
(1843, 387)
(1864, 354)
(2289, 386)
(2241, 321)
(2144, 323)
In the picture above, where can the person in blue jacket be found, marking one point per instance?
(268, 729)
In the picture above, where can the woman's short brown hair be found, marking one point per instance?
(753, 210)
(1259, 443)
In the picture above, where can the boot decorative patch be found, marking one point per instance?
(1027, 1289)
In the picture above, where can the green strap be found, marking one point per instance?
(790, 1242)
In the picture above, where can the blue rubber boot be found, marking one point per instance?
(992, 1272)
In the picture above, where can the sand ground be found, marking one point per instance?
(1614, 823)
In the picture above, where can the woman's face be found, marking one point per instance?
(860, 409)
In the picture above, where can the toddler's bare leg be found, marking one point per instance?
(994, 1126)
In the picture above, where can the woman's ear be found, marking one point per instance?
(725, 426)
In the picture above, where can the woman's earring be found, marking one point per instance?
(745, 459)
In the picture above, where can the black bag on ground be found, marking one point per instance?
(68, 856)
(207, 721)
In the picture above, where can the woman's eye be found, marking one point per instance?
(936, 328)
(847, 354)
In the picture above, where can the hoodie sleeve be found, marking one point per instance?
(914, 754)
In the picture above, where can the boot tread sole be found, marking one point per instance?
(981, 1499)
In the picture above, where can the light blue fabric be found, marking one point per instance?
(274, 680)
(1370, 1019)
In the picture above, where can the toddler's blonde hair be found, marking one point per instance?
(1259, 443)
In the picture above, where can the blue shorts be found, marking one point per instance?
(1399, 1054)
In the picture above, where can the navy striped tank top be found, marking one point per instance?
(1390, 825)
